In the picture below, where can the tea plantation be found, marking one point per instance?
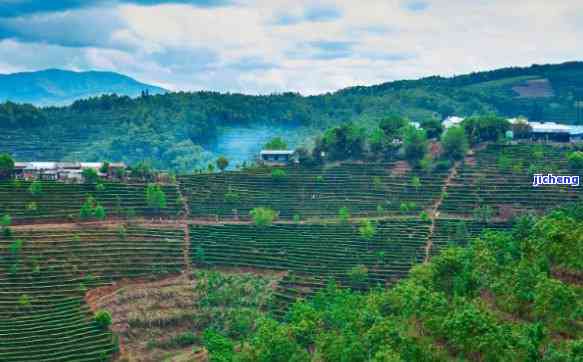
(361, 227)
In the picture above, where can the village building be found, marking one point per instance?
(277, 157)
(64, 171)
(550, 131)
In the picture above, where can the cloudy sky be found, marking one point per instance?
(267, 46)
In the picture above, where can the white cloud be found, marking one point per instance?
(324, 46)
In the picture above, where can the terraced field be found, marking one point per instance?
(314, 254)
(44, 275)
(459, 232)
(60, 201)
(500, 176)
(366, 189)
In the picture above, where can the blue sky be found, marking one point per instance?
(267, 46)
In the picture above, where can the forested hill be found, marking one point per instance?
(62, 87)
(180, 131)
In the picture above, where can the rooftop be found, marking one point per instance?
(277, 152)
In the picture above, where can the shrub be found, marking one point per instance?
(416, 183)
(31, 207)
(367, 229)
(220, 348)
(358, 274)
(424, 216)
(87, 209)
(155, 197)
(35, 188)
(99, 212)
(343, 214)
(231, 196)
(483, 213)
(16, 246)
(6, 220)
(575, 160)
(380, 209)
(263, 216)
(377, 183)
(121, 232)
(441, 165)
(296, 218)
(319, 178)
(504, 163)
(103, 319)
(415, 145)
(24, 301)
(278, 174)
(100, 187)
(199, 256)
(6, 165)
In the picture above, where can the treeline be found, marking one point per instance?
(397, 138)
(174, 130)
(508, 296)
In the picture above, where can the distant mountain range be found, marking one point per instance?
(63, 87)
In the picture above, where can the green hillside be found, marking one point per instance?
(182, 131)
(509, 296)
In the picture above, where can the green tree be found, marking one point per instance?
(103, 319)
(87, 209)
(433, 127)
(155, 197)
(485, 128)
(104, 168)
(392, 126)
(455, 143)
(342, 143)
(90, 176)
(276, 143)
(99, 212)
(263, 216)
(6, 166)
(415, 145)
(222, 163)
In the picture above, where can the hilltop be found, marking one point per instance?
(63, 87)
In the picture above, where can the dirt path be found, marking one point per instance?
(186, 226)
(434, 213)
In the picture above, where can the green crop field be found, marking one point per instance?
(365, 189)
(60, 201)
(44, 275)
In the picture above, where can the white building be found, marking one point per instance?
(452, 121)
(277, 157)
